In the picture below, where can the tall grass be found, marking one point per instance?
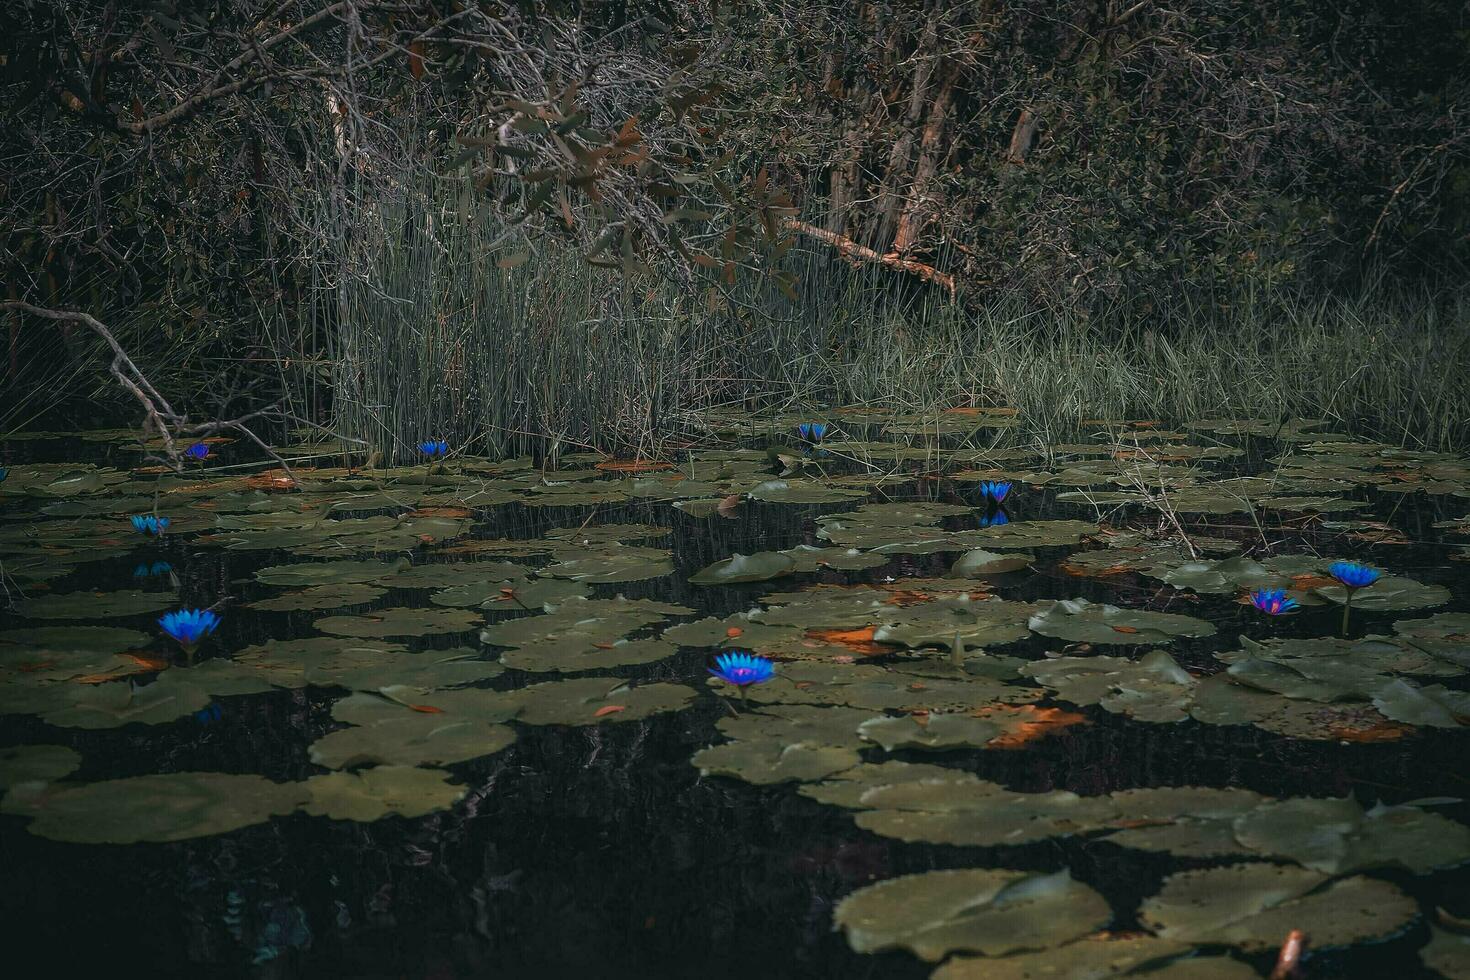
(429, 336)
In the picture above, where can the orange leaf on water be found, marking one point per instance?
(427, 709)
(609, 709)
(734, 631)
(1124, 629)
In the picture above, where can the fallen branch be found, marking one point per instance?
(159, 417)
(852, 251)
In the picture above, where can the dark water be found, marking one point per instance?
(599, 851)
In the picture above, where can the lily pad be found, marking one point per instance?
(404, 791)
(979, 562)
(95, 605)
(329, 573)
(36, 763)
(386, 732)
(593, 700)
(1252, 906)
(401, 621)
(745, 568)
(169, 807)
(1081, 621)
(319, 597)
(768, 761)
(938, 732)
(972, 910)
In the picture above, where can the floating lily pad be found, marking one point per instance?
(95, 605)
(936, 733)
(878, 688)
(745, 568)
(319, 597)
(973, 564)
(36, 763)
(1338, 836)
(38, 641)
(1252, 906)
(329, 573)
(627, 564)
(511, 594)
(592, 700)
(767, 761)
(574, 653)
(401, 621)
(449, 575)
(1099, 957)
(1447, 953)
(170, 807)
(973, 910)
(386, 732)
(1081, 621)
(846, 788)
(1389, 594)
(802, 492)
(404, 791)
(791, 723)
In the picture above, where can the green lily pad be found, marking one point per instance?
(95, 605)
(386, 732)
(319, 597)
(1389, 594)
(993, 912)
(1100, 957)
(792, 723)
(846, 788)
(979, 563)
(940, 732)
(627, 564)
(35, 643)
(1447, 953)
(36, 763)
(584, 622)
(404, 791)
(802, 492)
(768, 761)
(511, 594)
(593, 700)
(169, 807)
(745, 568)
(1339, 836)
(1081, 621)
(879, 688)
(1252, 906)
(401, 621)
(449, 575)
(329, 573)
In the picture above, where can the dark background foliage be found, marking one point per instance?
(188, 172)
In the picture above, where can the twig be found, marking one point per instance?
(159, 416)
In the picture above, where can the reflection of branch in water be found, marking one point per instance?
(159, 417)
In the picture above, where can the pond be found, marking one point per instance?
(1105, 708)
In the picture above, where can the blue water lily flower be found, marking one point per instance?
(742, 668)
(189, 626)
(209, 713)
(997, 519)
(434, 448)
(198, 451)
(148, 524)
(995, 490)
(1354, 575)
(1274, 602)
(146, 570)
(812, 431)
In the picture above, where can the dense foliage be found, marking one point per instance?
(198, 172)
